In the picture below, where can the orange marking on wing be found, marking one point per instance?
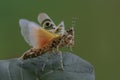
(44, 37)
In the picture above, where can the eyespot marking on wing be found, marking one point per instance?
(46, 22)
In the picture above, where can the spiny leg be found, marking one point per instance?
(43, 67)
(53, 50)
(70, 47)
(61, 58)
(25, 54)
(44, 63)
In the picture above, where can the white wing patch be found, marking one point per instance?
(28, 31)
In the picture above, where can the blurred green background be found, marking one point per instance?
(97, 32)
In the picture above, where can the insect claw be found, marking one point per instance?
(20, 58)
(53, 50)
(43, 66)
(71, 48)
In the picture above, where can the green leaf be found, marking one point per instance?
(47, 67)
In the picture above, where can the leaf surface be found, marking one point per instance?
(47, 67)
